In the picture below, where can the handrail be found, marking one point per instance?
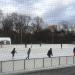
(32, 58)
(34, 63)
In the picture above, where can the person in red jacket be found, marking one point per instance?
(74, 51)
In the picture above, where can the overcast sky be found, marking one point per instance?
(52, 11)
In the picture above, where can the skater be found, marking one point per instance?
(25, 45)
(40, 43)
(28, 53)
(50, 53)
(13, 52)
(61, 45)
(74, 51)
(31, 45)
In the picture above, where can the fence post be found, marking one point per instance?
(66, 60)
(24, 64)
(34, 63)
(43, 62)
(59, 61)
(51, 62)
(13, 65)
(1, 66)
(73, 59)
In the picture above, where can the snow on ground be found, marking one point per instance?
(37, 51)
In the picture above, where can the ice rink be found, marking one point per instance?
(36, 51)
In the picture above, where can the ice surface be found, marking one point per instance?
(36, 51)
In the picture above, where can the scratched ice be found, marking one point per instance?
(37, 51)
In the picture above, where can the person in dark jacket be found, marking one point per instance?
(49, 53)
(28, 53)
(25, 45)
(61, 45)
(74, 51)
(13, 52)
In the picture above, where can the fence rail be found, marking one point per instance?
(36, 63)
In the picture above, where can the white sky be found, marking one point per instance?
(51, 10)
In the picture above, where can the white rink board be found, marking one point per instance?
(29, 64)
(19, 65)
(38, 63)
(62, 60)
(47, 62)
(70, 60)
(55, 61)
(7, 66)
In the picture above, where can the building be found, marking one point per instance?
(52, 28)
(70, 28)
(5, 40)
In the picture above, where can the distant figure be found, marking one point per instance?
(50, 53)
(25, 45)
(28, 53)
(31, 45)
(40, 44)
(74, 51)
(61, 45)
(13, 52)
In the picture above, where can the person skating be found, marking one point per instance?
(61, 45)
(74, 51)
(49, 53)
(13, 52)
(28, 53)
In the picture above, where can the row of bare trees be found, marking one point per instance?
(18, 22)
(25, 29)
(20, 26)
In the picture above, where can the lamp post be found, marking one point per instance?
(52, 36)
(21, 32)
(31, 38)
(21, 35)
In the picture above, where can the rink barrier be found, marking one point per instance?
(37, 45)
(36, 63)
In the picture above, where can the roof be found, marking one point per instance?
(5, 38)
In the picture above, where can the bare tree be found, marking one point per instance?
(22, 23)
(65, 25)
(7, 24)
(1, 18)
(37, 24)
